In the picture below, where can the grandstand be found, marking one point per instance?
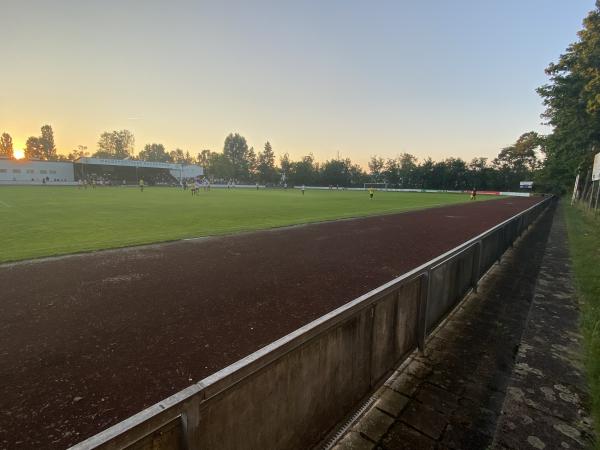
(128, 170)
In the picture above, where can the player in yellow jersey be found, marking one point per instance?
(371, 192)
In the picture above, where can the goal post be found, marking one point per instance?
(376, 186)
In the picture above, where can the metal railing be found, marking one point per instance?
(290, 393)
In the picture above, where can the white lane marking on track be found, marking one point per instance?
(5, 204)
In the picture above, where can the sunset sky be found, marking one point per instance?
(432, 78)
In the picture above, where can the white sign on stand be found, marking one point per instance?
(575, 190)
(526, 184)
(596, 168)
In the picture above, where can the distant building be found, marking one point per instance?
(24, 171)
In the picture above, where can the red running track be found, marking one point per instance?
(88, 340)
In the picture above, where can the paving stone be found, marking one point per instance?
(419, 370)
(551, 396)
(460, 438)
(424, 419)
(483, 393)
(442, 379)
(373, 424)
(404, 383)
(436, 398)
(391, 401)
(354, 441)
(521, 423)
(435, 343)
(476, 417)
(403, 437)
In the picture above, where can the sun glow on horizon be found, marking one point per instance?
(18, 153)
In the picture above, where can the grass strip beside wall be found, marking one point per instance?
(584, 240)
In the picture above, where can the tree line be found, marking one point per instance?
(514, 164)
(239, 161)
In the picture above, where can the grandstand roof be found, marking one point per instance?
(130, 163)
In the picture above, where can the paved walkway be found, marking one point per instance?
(503, 372)
(545, 403)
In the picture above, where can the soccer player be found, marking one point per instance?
(303, 187)
(141, 185)
(474, 194)
(371, 192)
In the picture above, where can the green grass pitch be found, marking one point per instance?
(38, 221)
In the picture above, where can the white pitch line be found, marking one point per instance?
(5, 204)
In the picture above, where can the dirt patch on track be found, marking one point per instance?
(89, 340)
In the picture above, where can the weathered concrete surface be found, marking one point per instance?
(545, 406)
(476, 363)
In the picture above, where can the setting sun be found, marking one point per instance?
(18, 153)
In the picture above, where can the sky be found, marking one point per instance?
(433, 78)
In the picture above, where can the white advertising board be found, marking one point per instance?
(596, 169)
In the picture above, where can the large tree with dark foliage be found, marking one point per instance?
(6, 145)
(33, 148)
(519, 162)
(304, 171)
(180, 157)
(41, 147)
(265, 165)
(342, 173)
(236, 151)
(154, 152)
(46, 141)
(572, 100)
(117, 144)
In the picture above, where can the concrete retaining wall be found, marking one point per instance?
(289, 394)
